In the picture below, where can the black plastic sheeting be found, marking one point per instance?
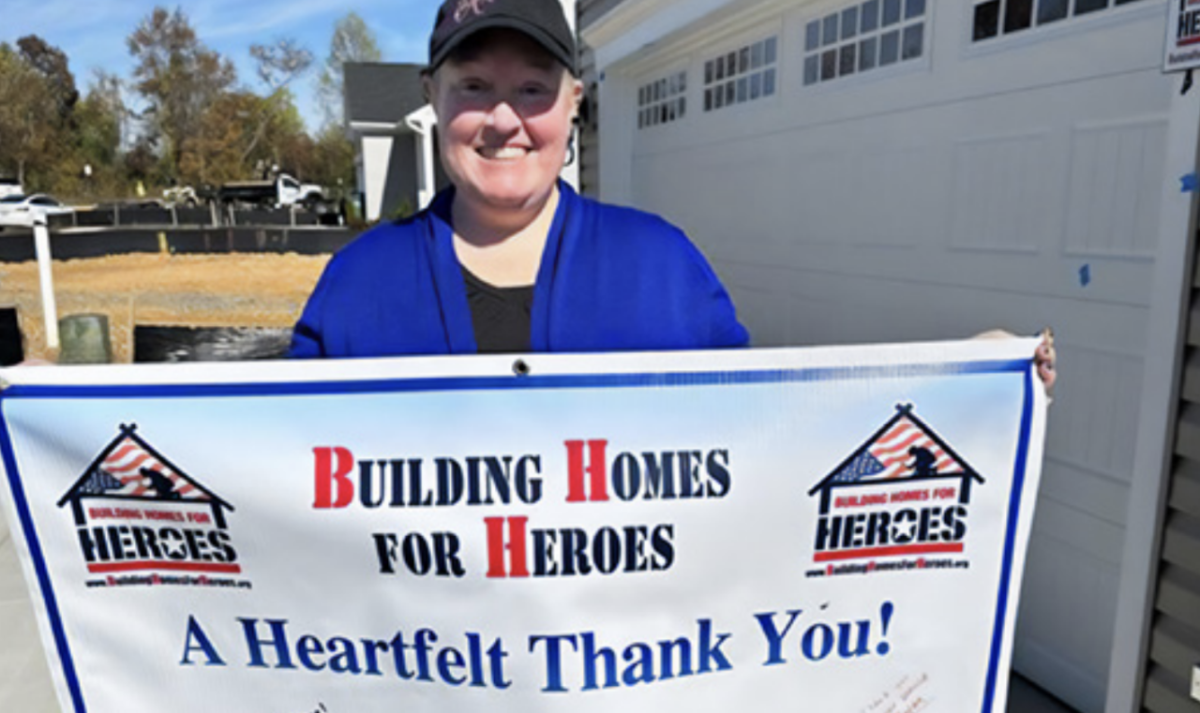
(11, 349)
(194, 216)
(99, 218)
(60, 221)
(146, 216)
(16, 245)
(111, 216)
(108, 217)
(274, 217)
(177, 344)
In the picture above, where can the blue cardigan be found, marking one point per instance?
(611, 279)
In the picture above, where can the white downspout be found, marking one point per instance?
(421, 122)
(570, 172)
(41, 242)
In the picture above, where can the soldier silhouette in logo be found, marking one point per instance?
(924, 462)
(164, 489)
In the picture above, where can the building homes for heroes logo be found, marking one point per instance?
(136, 511)
(903, 493)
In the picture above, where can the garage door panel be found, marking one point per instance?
(1078, 620)
(1115, 182)
(1104, 496)
(1082, 531)
(1001, 193)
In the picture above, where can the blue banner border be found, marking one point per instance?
(490, 383)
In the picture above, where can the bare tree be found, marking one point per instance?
(280, 63)
(352, 41)
(108, 91)
(277, 66)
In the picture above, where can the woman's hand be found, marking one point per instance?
(1044, 359)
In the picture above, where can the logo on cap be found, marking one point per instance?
(470, 7)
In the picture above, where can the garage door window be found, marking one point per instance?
(742, 75)
(662, 101)
(863, 37)
(994, 18)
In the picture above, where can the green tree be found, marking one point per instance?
(29, 120)
(51, 62)
(141, 161)
(178, 76)
(244, 134)
(214, 153)
(333, 159)
(287, 143)
(352, 41)
(98, 121)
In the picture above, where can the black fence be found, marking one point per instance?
(153, 215)
(16, 245)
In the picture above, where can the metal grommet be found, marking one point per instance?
(520, 368)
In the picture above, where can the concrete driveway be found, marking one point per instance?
(24, 676)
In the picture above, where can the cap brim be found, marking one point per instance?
(536, 33)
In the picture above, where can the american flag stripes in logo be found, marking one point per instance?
(127, 463)
(892, 450)
(889, 456)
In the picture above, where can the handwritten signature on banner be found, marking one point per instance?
(904, 697)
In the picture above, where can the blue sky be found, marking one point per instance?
(93, 32)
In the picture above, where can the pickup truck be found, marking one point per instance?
(283, 191)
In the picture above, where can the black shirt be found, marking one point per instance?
(500, 315)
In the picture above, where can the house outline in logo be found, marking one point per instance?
(168, 521)
(965, 476)
(870, 526)
(76, 493)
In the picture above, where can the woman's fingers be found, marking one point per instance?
(1048, 376)
(1045, 359)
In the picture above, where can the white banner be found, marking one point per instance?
(835, 529)
(1183, 36)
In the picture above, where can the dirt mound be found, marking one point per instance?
(238, 290)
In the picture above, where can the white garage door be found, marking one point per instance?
(961, 168)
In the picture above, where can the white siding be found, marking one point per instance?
(376, 155)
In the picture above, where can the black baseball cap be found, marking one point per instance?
(541, 20)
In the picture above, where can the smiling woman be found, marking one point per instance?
(509, 258)
(506, 111)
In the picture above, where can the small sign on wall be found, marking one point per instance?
(1183, 36)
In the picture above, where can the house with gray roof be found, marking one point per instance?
(392, 129)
